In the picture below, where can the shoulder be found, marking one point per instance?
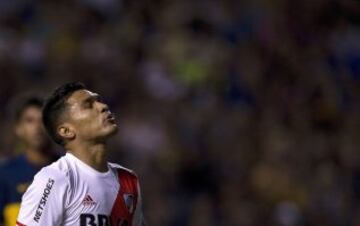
(44, 201)
(119, 168)
(51, 181)
(58, 171)
(128, 179)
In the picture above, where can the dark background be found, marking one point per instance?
(236, 113)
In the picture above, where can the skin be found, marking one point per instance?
(29, 129)
(86, 126)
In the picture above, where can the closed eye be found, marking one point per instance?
(88, 102)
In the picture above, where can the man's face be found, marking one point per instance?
(30, 130)
(90, 116)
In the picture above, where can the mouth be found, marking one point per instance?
(110, 118)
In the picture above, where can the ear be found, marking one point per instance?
(66, 131)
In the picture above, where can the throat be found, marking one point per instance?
(95, 156)
(99, 161)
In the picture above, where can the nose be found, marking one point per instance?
(103, 107)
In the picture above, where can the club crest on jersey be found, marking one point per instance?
(88, 201)
(129, 201)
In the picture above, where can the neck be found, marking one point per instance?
(93, 155)
(37, 157)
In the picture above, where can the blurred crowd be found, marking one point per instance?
(232, 112)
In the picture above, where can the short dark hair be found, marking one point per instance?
(25, 102)
(55, 106)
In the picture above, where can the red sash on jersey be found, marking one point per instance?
(19, 224)
(125, 204)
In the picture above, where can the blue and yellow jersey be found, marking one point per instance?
(15, 177)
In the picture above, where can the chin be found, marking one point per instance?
(107, 132)
(112, 131)
(39, 144)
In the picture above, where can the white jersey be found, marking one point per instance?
(71, 193)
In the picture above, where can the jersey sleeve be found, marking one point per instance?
(44, 202)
